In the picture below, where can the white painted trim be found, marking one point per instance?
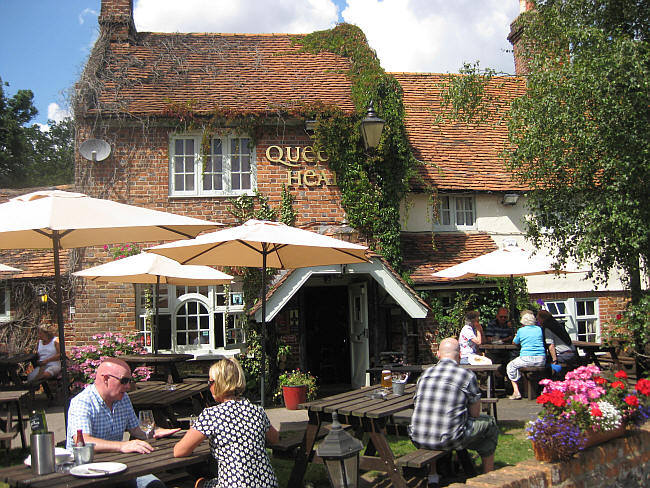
(375, 268)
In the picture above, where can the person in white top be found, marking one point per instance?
(471, 335)
(49, 357)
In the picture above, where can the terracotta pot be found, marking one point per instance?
(294, 396)
(595, 438)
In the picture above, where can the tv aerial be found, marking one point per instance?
(95, 149)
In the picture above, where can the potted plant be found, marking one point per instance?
(584, 410)
(284, 350)
(296, 387)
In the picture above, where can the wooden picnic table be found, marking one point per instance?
(9, 367)
(12, 399)
(165, 363)
(165, 402)
(591, 350)
(366, 415)
(160, 460)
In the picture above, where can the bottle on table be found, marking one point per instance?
(80, 439)
(38, 422)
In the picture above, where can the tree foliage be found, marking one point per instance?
(580, 136)
(28, 155)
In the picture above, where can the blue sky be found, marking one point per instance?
(45, 43)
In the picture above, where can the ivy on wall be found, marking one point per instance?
(374, 182)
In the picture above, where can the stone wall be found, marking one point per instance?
(622, 462)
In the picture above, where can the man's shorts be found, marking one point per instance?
(483, 435)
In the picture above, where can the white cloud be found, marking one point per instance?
(87, 12)
(245, 16)
(408, 35)
(56, 113)
(436, 35)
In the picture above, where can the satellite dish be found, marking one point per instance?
(95, 149)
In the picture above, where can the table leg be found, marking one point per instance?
(378, 438)
(173, 376)
(305, 451)
(21, 428)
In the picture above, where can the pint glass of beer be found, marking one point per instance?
(386, 378)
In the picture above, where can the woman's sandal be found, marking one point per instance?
(199, 483)
(514, 397)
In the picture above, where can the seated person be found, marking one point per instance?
(447, 412)
(559, 343)
(49, 356)
(532, 352)
(471, 335)
(500, 328)
(103, 412)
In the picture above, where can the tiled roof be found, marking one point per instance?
(256, 73)
(34, 263)
(424, 258)
(457, 156)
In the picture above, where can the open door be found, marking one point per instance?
(359, 353)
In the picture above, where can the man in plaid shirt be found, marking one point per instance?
(447, 411)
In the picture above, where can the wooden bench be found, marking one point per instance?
(531, 376)
(285, 447)
(417, 464)
(488, 404)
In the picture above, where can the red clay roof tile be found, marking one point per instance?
(424, 257)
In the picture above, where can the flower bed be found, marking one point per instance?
(83, 360)
(585, 404)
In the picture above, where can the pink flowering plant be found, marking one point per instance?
(83, 360)
(121, 251)
(584, 403)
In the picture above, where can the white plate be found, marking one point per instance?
(83, 469)
(62, 456)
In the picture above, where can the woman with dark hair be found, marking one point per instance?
(560, 346)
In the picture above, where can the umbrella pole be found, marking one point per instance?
(61, 325)
(154, 332)
(263, 327)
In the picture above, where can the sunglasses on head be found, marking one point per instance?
(210, 382)
(124, 380)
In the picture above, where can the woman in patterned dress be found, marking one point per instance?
(237, 431)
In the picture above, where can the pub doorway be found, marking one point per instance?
(327, 333)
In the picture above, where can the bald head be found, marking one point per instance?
(449, 349)
(113, 366)
(108, 380)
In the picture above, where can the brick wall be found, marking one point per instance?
(623, 462)
(137, 173)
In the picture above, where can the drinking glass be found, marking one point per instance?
(147, 423)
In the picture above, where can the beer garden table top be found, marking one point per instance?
(161, 459)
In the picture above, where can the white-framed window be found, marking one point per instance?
(455, 212)
(5, 303)
(579, 315)
(227, 170)
(195, 319)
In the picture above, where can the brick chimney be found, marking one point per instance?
(116, 20)
(515, 35)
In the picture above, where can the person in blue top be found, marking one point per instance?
(532, 352)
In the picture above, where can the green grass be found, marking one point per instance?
(513, 448)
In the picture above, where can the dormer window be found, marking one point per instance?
(227, 170)
(455, 212)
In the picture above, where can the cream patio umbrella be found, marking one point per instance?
(263, 244)
(510, 261)
(62, 220)
(149, 268)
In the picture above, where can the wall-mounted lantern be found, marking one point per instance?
(371, 128)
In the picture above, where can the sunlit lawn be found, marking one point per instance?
(513, 448)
